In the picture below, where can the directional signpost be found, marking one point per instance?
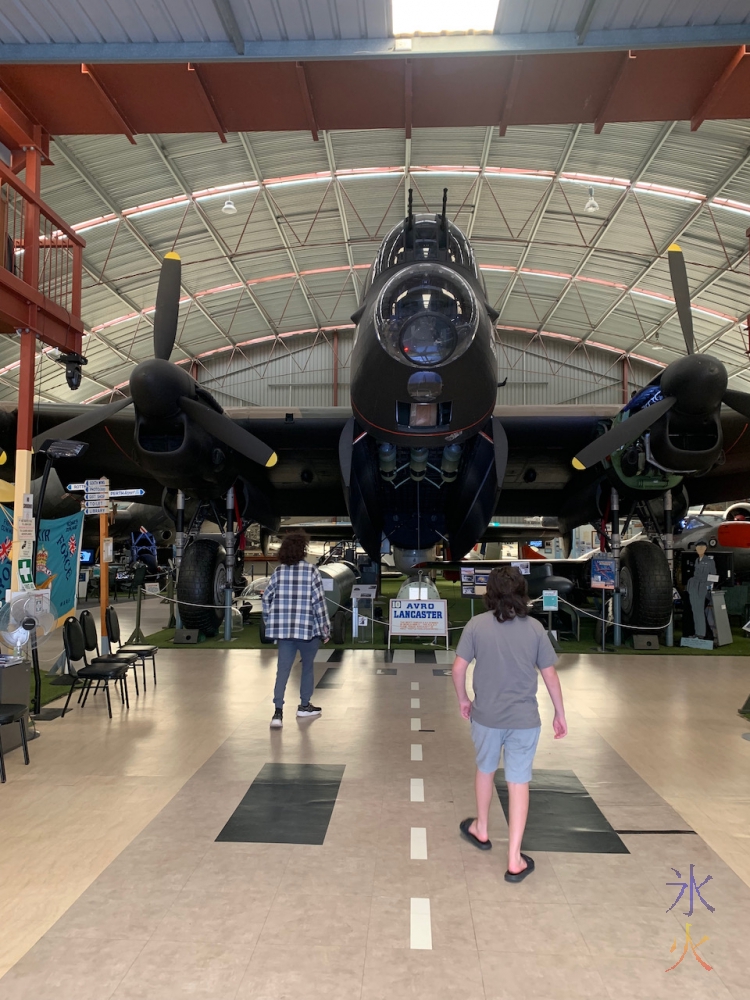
(127, 493)
(98, 499)
(96, 496)
(97, 493)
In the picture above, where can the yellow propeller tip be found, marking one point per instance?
(3, 457)
(272, 461)
(675, 248)
(577, 464)
(171, 256)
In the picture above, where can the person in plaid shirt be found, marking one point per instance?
(295, 614)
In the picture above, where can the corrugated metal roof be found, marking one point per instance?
(283, 262)
(97, 21)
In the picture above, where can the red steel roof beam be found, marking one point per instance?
(601, 118)
(206, 100)
(307, 103)
(408, 97)
(18, 130)
(510, 95)
(110, 104)
(717, 89)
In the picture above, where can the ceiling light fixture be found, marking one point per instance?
(592, 205)
(432, 17)
(229, 207)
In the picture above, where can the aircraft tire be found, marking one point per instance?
(645, 586)
(338, 628)
(201, 582)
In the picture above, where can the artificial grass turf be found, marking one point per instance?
(50, 692)
(459, 612)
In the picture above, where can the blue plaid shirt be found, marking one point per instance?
(294, 605)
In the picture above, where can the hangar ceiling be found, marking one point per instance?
(176, 129)
(309, 217)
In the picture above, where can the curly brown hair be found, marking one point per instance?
(293, 547)
(507, 594)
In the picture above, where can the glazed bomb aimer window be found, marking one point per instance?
(426, 315)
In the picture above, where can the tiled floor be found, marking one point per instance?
(109, 861)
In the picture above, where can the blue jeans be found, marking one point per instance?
(287, 655)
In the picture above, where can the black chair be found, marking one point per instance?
(91, 641)
(9, 714)
(141, 649)
(75, 652)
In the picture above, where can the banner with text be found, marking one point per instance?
(56, 560)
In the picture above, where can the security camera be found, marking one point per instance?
(73, 363)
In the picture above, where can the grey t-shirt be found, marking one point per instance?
(505, 678)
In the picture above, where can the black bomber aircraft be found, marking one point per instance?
(425, 455)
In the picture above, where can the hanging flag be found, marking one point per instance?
(57, 558)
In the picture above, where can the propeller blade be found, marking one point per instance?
(621, 434)
(70, 429)
(226, 430)
(167, 306)
(739, 401)
(678, 274)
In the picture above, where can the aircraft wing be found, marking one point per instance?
(306, 481)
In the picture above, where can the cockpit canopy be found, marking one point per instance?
(426, 239)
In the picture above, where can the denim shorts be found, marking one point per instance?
(518, 756)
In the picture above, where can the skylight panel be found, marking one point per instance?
(432, 17)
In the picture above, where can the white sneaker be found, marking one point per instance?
(278, 719)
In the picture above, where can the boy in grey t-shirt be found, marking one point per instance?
(507, 646)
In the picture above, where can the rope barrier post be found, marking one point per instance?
(669, 549)
(615, 509)
(229, 583)
(179, 544)
(138, 635)
(104, 551)
(174, 614)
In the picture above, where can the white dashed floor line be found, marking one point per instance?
(415, 685)
(416, 725)
(416, 751)
(417, 790)
(418, 843)
(421, 925)
(415, 703)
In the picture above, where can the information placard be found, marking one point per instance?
(603, 573)
(473, 581)
(549, 600)
(27, 529)
(418, 618)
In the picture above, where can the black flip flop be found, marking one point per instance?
(520, 876)
(463, 826)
